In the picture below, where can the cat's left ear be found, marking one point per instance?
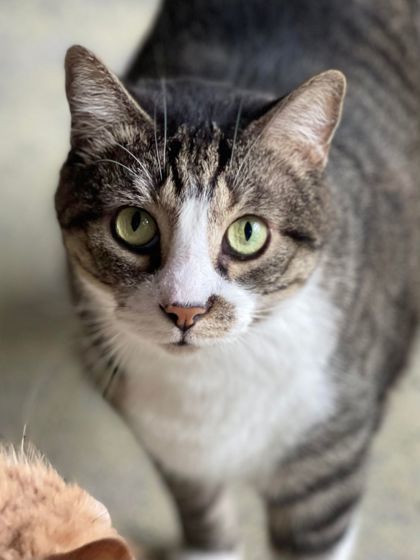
(303, 124)
(103, 549)
(98, 100)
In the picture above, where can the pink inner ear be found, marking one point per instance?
(104, 549)
(309, 117)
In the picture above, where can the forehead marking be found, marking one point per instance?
(188, 276)
(196, 162)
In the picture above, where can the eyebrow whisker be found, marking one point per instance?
(235, 133)
(108, 160)
(165, 119)
(156, 145)
(135, 159)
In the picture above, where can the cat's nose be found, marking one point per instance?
(184, 317)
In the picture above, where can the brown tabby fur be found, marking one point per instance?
(223, 123)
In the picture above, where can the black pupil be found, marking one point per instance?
(248, 231)
(135, 221)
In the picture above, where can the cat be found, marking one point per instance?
(244, 252)
(43, 518)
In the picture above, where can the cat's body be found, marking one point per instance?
(297, 347)
(221, 424)
(44, 518)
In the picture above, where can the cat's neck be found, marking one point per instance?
(303, 325)
(250, 387)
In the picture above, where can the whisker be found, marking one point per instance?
(115, 355)
(94, 331)
(106, 160)
(165, 119)
(30, 406)
(156, 144)
(235, 133)
(246, 156)
(129, 153)
(91, 309)
(94, 326)
(23, 440)
(114, 374)
(244, 160)
(135, 159)
(103, 352)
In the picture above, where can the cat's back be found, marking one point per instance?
(272, 46)
(276, 44)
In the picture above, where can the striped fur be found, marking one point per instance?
(283, 382)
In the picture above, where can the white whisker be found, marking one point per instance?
(104, 350)
(246, 156)
(165, 119)
(141, 164)
(235, 133)
(23, 440)
(115, 354)
(156, 144)
(106, 160)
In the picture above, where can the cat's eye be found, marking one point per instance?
(247, 236)
(135, 227)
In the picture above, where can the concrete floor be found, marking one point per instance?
(41, 383)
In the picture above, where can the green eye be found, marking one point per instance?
(247, 236)
(135, 226)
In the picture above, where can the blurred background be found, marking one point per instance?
(41, 384)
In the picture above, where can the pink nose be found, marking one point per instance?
(184, 317)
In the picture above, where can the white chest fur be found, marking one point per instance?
(228, 410)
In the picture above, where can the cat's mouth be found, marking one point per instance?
(181, 347)
(182, 342)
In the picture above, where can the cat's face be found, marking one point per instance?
(187, 235)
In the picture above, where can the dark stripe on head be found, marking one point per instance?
(224, 152)
(174, 148)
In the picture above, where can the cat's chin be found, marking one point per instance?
(180, 348)
(189, 348)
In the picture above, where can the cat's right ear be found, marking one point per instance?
(103, 549)
(98, 100)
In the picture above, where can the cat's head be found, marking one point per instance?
(190, 210)
(43, 517)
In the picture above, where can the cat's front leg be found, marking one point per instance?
(329, 536)
(207, 519)
(316, 522)
(343, 550)
(313, 497)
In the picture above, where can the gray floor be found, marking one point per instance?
(41, 384)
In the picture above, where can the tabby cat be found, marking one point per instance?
(43, 518)
(246, 304)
